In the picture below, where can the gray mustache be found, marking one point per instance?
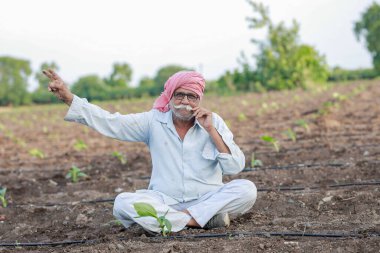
(187, 107)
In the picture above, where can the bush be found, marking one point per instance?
(339, 74)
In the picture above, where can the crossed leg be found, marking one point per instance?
(235, 197)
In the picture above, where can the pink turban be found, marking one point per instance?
(189, 80)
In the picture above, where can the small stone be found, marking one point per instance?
(112, 247)
(52, 183)
(366, 153)
(290, 201)
(117, 190)
(81, 219)
(266, 234)
(261, 246)
(143, 236)
(119, 246)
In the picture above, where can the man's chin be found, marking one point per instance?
(186, 116)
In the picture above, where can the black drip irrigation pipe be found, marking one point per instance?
(301, 165)
(281, 188)
(202, 236)
(301, 188)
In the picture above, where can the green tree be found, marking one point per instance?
(121, 75)
(91, 87)
(369, 28)
(146, 87)
(14, 74)
(282, 62)
(163, 75)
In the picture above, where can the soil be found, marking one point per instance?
(334, 164)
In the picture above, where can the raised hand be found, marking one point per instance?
(204, 117)
(58, 87)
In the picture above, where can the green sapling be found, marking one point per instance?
(119, 156)
(2, 197)
(255, 162)
(80, 145)
(290, 134)
(273, 141)
(303, 123)
(37, 153)
(147, 210)
(75, 174)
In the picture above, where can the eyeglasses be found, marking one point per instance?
(181, 96)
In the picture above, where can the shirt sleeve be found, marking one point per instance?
(131, 127)
(230, 163)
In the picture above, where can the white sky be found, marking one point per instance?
(88, 36)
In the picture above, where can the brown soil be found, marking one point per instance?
(342, 147)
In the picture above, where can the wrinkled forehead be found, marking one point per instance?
(183, 90)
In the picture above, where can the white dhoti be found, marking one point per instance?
(234, 198)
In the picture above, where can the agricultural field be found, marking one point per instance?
(313, 155)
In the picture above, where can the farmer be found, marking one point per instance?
(191, 149)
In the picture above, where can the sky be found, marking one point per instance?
(87, 36)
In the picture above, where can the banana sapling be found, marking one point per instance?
(147, 210)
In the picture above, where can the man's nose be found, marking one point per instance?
(185, 101)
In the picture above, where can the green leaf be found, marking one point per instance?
(3, 191)
(145, 209)
(267, 138)
(168, 225)
(81, 174)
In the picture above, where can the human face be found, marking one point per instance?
(182, 102)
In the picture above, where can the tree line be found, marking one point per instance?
(282, 62)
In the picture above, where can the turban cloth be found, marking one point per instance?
(189, 80)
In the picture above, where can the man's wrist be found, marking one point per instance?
(69, 100)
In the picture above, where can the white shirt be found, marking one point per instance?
(184, 169)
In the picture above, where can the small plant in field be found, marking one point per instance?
(326, 108)
(2, 197)
(303, 123)
(255, 162)
(80, 145)
(272, 141)
(147, 210)
(75, 174)
(45, 130)
(290, 134)
(119, 156)
(37, 153)
(339, 96)
(242, 117)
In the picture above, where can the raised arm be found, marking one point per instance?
(58, 87)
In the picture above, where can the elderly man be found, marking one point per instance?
(191, 149)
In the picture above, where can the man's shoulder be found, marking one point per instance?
(160, 116)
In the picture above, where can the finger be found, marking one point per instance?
(54, 85)
(200, 114)
(54, 75)
(47, 74)
(195, 113)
